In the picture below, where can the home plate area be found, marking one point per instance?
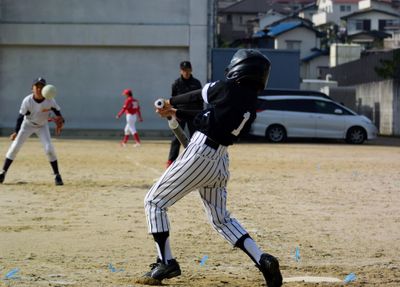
(312, 279)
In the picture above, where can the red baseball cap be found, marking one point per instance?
(127, 92)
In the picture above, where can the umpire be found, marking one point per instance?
(185, 83)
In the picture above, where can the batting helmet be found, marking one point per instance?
(249, 66)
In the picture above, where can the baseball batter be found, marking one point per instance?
(131, 109)
(203, 165)
(33, 118)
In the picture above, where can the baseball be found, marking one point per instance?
(49, 92)
(159, 103)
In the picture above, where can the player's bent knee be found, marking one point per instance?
(153, 206)
(51, 154)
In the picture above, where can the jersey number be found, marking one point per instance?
(236, 131)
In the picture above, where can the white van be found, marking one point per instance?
(312, 115)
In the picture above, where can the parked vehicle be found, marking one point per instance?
(309, 115)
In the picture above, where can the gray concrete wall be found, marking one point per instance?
(380, 101)
(91, 50)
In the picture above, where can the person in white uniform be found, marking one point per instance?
(33, 118)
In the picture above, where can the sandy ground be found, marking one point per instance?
(339, 204)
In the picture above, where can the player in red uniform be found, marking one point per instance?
(131, 109)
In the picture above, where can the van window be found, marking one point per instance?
(306, 106)
(323, 107)
(294, 105)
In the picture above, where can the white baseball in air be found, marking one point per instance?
(49, 92)
(159, 103)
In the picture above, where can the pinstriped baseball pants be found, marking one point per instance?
(198, 167)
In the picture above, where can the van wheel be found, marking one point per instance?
(356, 135)
(276, 134)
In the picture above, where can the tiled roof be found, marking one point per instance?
(260, 6)
(248, 6)
(364, 11)
(280, 29)
(315, 54)
(372, 33)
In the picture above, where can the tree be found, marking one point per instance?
(390, 69)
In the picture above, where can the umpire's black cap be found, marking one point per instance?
(39, 80)
(185, 65)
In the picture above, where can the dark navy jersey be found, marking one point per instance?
(231, 108)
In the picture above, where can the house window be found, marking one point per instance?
(363, 25)
(322, 71)
(345, 8)
(382, 25)
(387, 23)
(293, 45)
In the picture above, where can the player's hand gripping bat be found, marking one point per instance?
(173, 124)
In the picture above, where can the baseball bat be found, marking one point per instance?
(174, 125)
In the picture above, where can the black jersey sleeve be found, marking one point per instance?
(186, 114)
(19, 122)
(58, 114)
(189, 97)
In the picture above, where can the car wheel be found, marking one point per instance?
(276, 134)
(356, 135)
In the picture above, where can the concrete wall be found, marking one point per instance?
(343, 53)
(380, 101)
(91, 50)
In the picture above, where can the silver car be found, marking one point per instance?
(309, 116)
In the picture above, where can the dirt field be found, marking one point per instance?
(340, 204)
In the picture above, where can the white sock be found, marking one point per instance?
(251, 247)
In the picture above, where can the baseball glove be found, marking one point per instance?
(59, 121)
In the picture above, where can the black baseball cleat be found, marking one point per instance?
(2, 176)
(160, 270)
(58, 180)
(269, 266)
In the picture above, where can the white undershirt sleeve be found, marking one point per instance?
(204, 92)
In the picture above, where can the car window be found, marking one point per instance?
(306, 106)
(270, 105)
(294, 105)
(323, 107)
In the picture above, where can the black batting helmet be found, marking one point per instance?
(249, 66)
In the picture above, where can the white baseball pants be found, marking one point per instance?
(25, 132)
(198, 167)
(130, 124)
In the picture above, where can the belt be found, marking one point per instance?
(211, 143)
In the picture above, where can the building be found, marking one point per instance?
(294, 33)
(372, 23)
(239, 20)
(91, 50)
(330, 12)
